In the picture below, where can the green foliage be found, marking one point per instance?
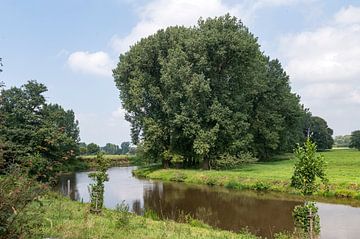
(342, 170)
(187, 218)
(115, 149)
(207, 91)
(96, 189)
(1, 65)
(283, 235)
(20, 209)
(178, 177)
(261, 186)
(123, 215)
(342, 140)
(31, 126)
(355, 140)
(111, 149)
(172, 157)
(228, 161)
(151, 214)
(320, 133)
(301, 215)
(307, 168)
(125, 147)
(92, 149)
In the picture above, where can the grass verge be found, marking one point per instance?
(70, 219)
(343, 167)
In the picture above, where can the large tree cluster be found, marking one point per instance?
(34, 133)
(196, 94)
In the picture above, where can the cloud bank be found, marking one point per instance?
(324, 65)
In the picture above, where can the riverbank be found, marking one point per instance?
(71, 219)
(88, 162)
(343, 167)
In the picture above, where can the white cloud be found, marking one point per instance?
(117, 116)
(348, 15)
(97, 63)
(158, 14)
(328, 53)
(324, 66)
(163, 13)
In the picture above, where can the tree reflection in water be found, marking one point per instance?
(221, 208)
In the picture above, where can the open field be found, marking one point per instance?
(70, 219)
(343, 171)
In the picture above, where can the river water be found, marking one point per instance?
(262, 214)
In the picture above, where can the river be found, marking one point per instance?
(263, 214)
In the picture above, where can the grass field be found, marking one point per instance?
(343, 170)
(70, 219)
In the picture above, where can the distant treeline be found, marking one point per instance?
(342, 141)
(109, 148)
(351, 141)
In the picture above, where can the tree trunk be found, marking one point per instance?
(206, 164)
(165, 164)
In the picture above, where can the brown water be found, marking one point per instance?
(262, 214)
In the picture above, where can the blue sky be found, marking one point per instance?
(71, 46)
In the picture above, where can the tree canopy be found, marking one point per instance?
(31, 126)
(355, 140)
(320, 133)
(206, 91)
(92, 148)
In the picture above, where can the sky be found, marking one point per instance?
(72, 45)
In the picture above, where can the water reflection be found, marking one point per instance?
(226, 209)
(222, 209)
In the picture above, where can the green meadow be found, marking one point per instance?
(343, 171)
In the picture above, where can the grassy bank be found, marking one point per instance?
(70, 219)
(342, 169)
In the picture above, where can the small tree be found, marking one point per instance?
(96, 189)
(355, 140)
(308, 167)
(302, 220)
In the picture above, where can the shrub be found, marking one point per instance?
(227, 161)
(308, 167)
(172, 157)
(20, 209)
(261, 186)
(123, 215)
(283, 235)
(232, 185)
(301, 217)
(211, 181)
(344, 193)
(178, 177)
